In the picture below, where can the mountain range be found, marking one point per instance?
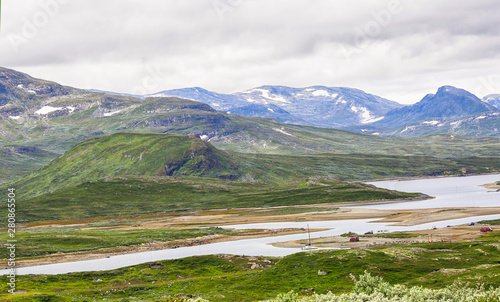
(358, 111)
(81, 134)
(48, 119)
(450, 110)
(318, 106)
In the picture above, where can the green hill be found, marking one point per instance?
(130, 173)
(130, 154)
(17, 161)
(152, 155)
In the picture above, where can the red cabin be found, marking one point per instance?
(486, 229)
(354, 239)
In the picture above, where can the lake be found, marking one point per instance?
(448, 192)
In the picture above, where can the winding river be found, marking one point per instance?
(448, 192)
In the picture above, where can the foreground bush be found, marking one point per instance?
(375, 289)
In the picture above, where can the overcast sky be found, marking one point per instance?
(397, 49)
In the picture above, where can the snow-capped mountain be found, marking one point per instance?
(493, 99)
(482, 124)
(320, 106)
(24, 99)
(449, 102)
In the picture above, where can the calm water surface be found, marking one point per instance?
(449, 192)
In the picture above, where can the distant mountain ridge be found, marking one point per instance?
(493, 100)
(448, 102)
(355, 110)
(450, 110)
(319, 106)
(29, 101)
(54, 118)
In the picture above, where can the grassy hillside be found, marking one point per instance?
(100, 114)
(116, 174)
(133, 195)
(282, 168)
(235, 278)
(129, 154)
(17, 161)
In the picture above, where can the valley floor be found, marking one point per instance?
(216, 218)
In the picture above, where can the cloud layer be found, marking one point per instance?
(398, 49)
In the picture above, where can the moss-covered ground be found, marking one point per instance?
(237, 278)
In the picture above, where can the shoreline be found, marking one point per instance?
(238, 216)
(423, 177)
(397, 217)
(459, 233)
(145, 247)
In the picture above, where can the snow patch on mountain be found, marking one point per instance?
(340, 100)
(112, 113)
(47, 109)
(266, 94)
(434, 123)
(373, 120)
(408, 128)
(282, 131)
(321, 93)
(365, 115)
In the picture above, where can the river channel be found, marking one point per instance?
(448, 192)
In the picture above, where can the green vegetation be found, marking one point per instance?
(129, 154)
(354, 166)
(51, 240)
(17, 161)
(231, 278)
(375, 289)
(350, 234)
(128, 173)
(238, 134)
(494, 222)
(136, 195)
(126, 154)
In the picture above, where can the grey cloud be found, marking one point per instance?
(111, 44)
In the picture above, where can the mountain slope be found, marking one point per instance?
(55, 123)
(156, 156)
(448, 102)
(479, 125)
(16, 85)
(313, 106)
(493, 100)
(126, 154)
(17, 161)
